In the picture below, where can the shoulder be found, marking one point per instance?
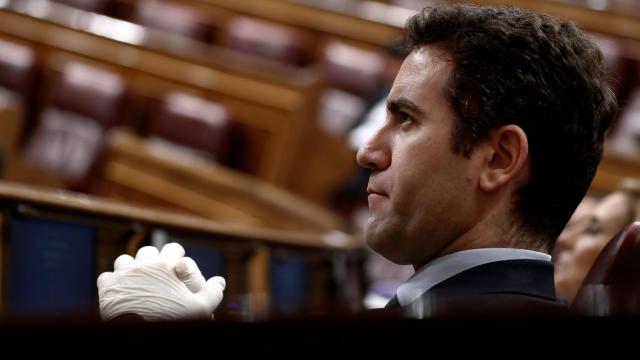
(490, 305)
(503, 288)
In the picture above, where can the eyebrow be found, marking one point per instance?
(402, 102)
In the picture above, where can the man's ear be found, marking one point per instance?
(507, 157)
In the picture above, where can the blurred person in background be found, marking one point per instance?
(592, 226)
(494, 130)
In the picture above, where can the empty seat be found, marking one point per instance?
(69, 135)
(612, 286)
(192, 125)
(174, 18)
(353, 75)
(626, 135)
(97, 6)
(263, 38)
(18, 69)
(91, 92)
(352, 69)
(619, 66)
(624, 5)
(19, 77)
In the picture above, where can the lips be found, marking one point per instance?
(377, 197)
(372, 190)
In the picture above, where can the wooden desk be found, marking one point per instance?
(625, 27)
(615, 166)
(118, 227)
(140, 170)
(374, 24)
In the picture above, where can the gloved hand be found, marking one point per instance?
(156, 285)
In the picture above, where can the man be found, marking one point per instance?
(494, 131)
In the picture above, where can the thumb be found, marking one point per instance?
(188, 272)
(211, 293)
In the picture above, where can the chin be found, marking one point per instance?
(386, 247)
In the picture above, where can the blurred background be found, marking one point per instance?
(243, 112)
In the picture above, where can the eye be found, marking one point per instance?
(594, 228)
(404, 119)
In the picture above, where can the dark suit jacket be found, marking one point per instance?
(503, 288)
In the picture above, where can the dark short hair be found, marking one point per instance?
(512, 66)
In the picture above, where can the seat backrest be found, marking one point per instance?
(174, 18)
(96, 6)
(90, 92)
(612, 286)
(69, 134)
(18, 69)
(353, 69)
(618, 62)
(267, 39)
(192, 124)
(622, 5)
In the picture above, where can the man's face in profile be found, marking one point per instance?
(419, 190)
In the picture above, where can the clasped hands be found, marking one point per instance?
(158, 285)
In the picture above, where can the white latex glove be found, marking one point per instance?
(156, 285)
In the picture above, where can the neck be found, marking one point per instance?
(494, 228)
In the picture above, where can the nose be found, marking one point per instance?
(375, 154)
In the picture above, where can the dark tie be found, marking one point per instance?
(393, 303)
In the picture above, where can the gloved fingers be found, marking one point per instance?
(220, 281)
(211, 293)
(103, 279)
(172, 252)
(147, 253)
(187, 270)
(122, 261)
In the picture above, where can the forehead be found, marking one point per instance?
(614, 208)
(423, 75)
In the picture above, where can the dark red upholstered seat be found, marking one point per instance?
(352, 69)
(18, 69)
(267, 39)
(174, 18)
(69, 135)
(612, 286)
(193, 125)
(354, 75)
(96, 6)
(619, 65)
